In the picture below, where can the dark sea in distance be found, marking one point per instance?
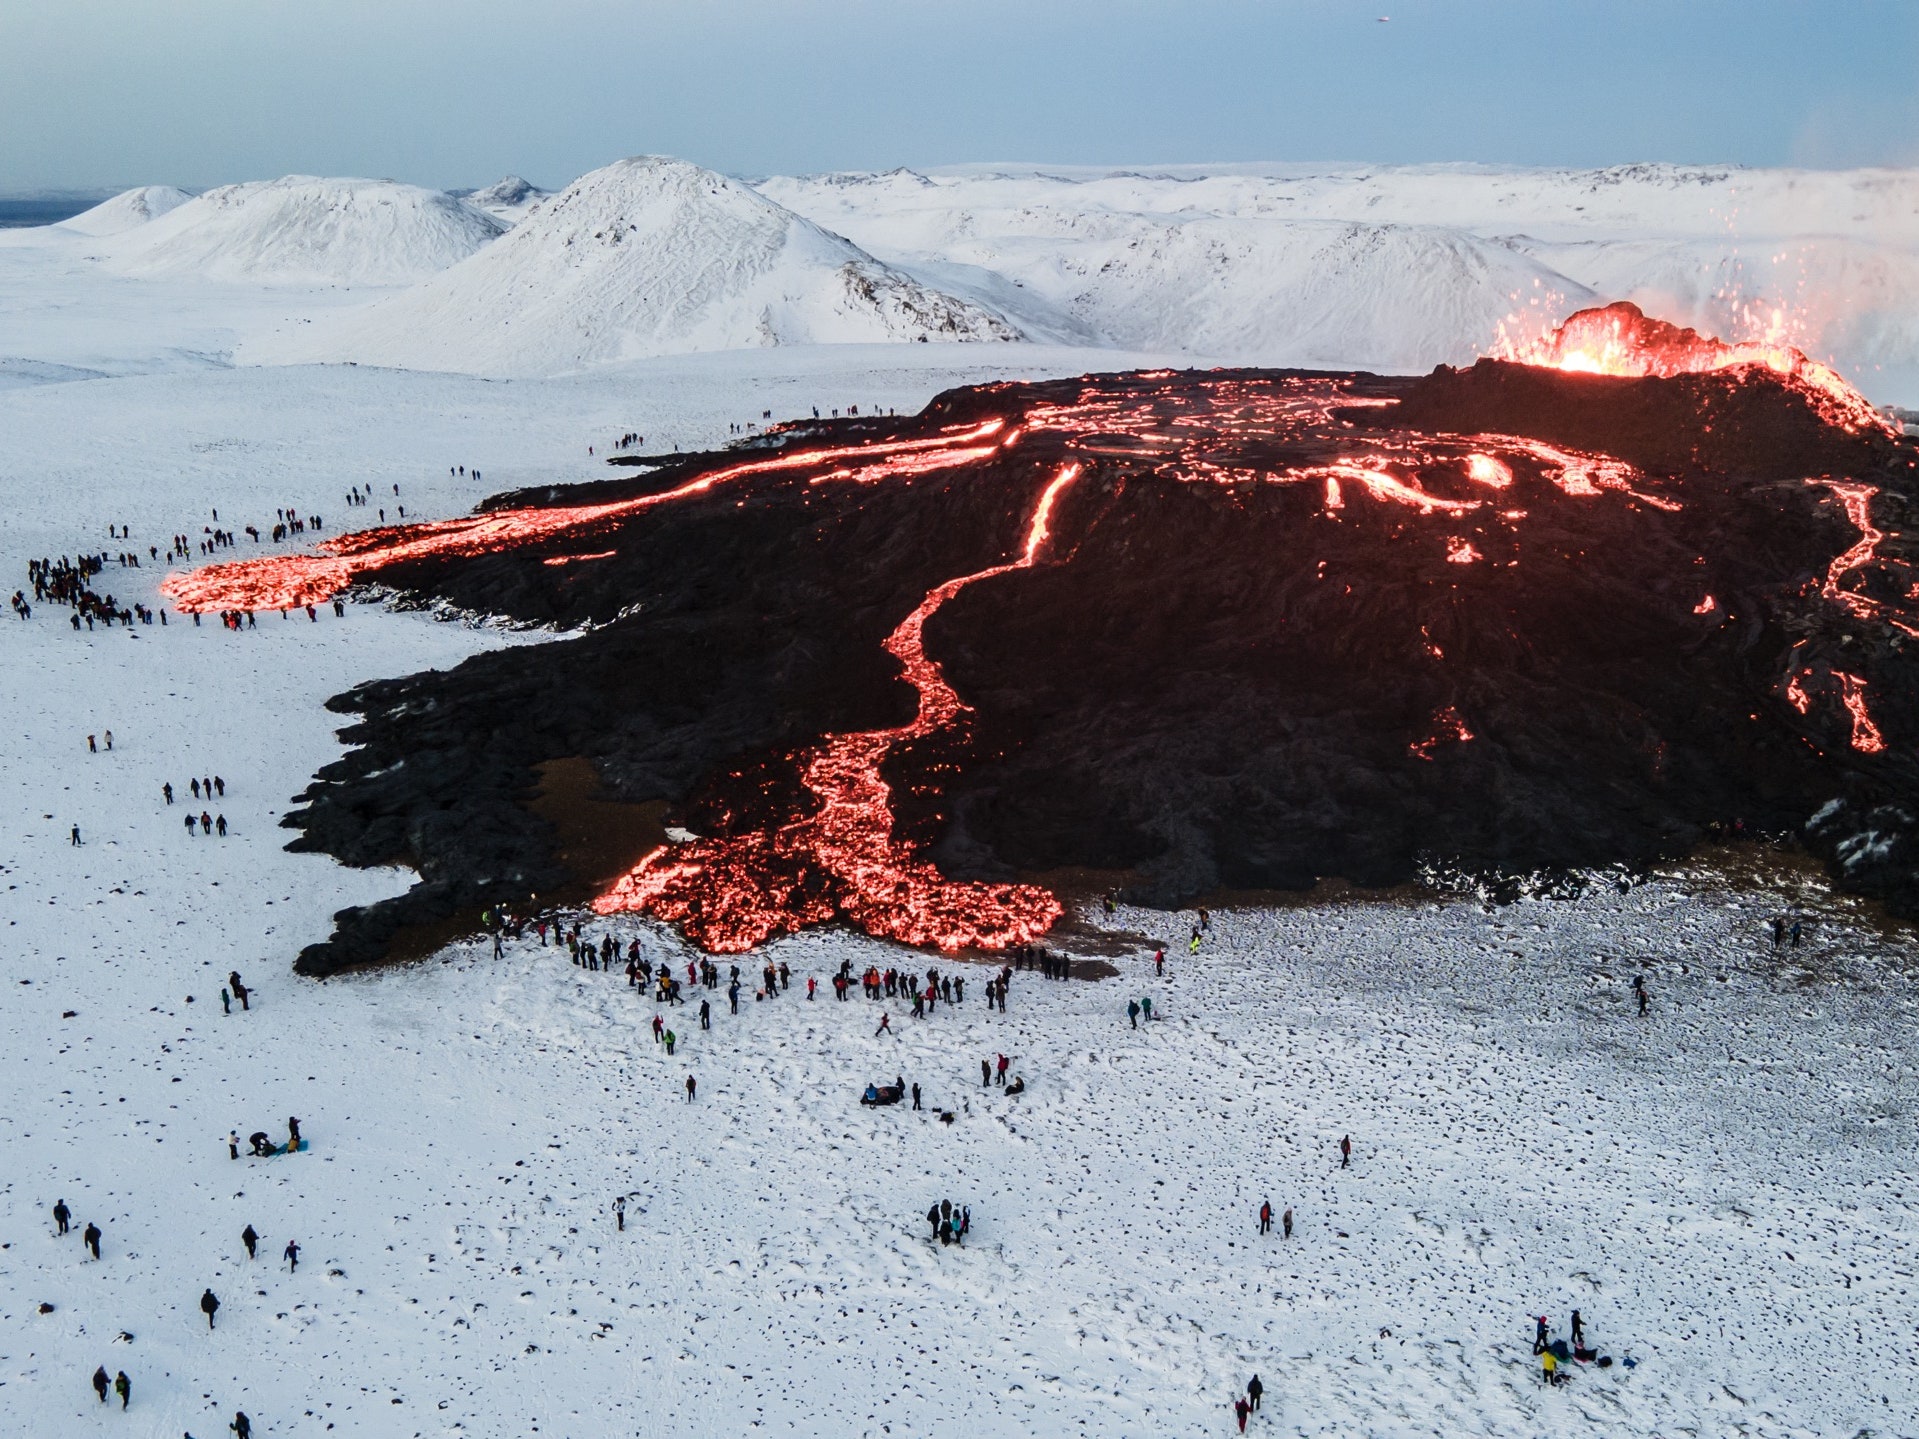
(49, 210)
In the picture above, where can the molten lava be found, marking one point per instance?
(1621, 339)
(1311, 598)
(842, 858)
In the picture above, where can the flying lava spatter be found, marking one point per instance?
(1622, 340)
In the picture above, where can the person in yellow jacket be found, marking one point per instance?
(1549, 1367)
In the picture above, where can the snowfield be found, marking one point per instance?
(1723, 1188)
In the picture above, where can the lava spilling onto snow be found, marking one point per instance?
(1232, 627)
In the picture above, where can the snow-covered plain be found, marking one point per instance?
(1723, 1188)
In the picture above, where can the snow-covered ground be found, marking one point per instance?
(1383, 267)
(1723, 1188)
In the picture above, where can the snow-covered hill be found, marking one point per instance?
(1404, 267)
(305, 230)
(648, 256)
(510, 199)
(127, 210)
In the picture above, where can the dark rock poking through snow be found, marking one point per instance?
(1497, 621)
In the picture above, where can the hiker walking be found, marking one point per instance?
(986, 1071)
(1286, 1223)
(886, 1024)
(251, 1240)
(1265, 1217)
(241, 1426)
(1579, 1331)
(1132, 1012)
(292, 1256)
(61, 1214)
(1240, 1410)
(208, 1306)
(1639, 991)
(916, 1096)
(122, 1385)
(90, 1236)
(1255, 1391)
(1345, 1151)
(100, 1383)
(689, 1088)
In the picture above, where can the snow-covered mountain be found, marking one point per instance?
(306, 230)
(648, 256)
(509, 199)
(127, 210)
(1400, 267)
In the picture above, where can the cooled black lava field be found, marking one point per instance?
(1203, 630)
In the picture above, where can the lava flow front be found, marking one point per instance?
(1257, 628)
(842, 857)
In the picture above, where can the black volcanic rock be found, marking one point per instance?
(1219, 672)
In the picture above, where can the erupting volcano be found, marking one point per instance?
(1216, 629)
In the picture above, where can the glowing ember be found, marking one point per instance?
(843, 859)
(1620, 339)
(1447, 727)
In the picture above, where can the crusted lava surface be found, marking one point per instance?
(1239, 629)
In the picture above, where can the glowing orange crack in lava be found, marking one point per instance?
(731, 893)
(281, 582)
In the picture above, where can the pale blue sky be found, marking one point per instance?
(199, 92)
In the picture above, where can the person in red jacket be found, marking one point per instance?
(1240, 1410)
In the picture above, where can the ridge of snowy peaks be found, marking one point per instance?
(509, 199)
(648, 256)
(1399, 266)
(303, 229)
(127, 210)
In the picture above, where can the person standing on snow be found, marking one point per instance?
(61, 1214)
(916, 1096)
(241, 1426)
(1286, 1223)
(689, 1088)
(1345, 1151)
(1255, 1391)
(209, 1306)
(100, 1383)
(1265, 1217)
(122, 1385)
(251, 1240)
(1240, 1410)
(1132, 1012)
(90, 1236)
